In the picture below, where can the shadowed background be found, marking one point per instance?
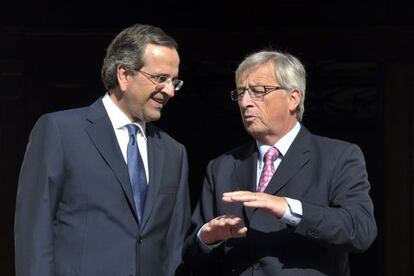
(358, 55)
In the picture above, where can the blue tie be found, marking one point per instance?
(136, 171)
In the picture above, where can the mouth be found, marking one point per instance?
(159, 102)
(248, 116)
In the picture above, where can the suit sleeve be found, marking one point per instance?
(180, 221)
(203, 263)
(348, 221)
(40, 182)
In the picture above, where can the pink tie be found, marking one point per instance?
(268, 169)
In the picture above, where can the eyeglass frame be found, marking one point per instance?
(267, 89)
(155, 79)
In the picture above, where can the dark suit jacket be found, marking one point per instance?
(75, 213)
(329, 178)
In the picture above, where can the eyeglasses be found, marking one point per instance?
(256, 92)
(163, 80)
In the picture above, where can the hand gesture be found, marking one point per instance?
(270, 203)
(222, 228)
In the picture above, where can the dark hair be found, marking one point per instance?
(128, 49)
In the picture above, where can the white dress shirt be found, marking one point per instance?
(293, 214)
(119, 121)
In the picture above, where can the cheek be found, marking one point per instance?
(138, 94)
(269, 109)
(275, 111)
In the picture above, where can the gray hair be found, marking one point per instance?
(289, 72)
(128, 49)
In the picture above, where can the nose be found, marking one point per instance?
(168, 88)
(245, 99)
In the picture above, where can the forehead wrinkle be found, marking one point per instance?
(263, 74)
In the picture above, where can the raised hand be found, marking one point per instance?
(222, 228)
(270, 203)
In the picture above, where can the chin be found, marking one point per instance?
(253, 131)
(249, 126)
(153, 117)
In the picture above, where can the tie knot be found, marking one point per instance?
(271, 154)
(132, 129)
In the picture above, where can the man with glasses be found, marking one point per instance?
(102, 191)
(288, 202)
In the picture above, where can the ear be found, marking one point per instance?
(294, 100)
(123, 77)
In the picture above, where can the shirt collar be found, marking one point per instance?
(282, 145)
(117, 117)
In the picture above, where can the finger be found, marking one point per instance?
(222, 217)
(225, 221)
(206, 228)
(241, 197)
(260, 200)
(235, 222)
(235, 193)
(235, 196)
(256, 204)
(231, 222)
(238, 232)
(269, 204)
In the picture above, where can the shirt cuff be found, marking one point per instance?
(206, 248)
(293, 214)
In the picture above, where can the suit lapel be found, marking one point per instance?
(296, 157)
(155, 165)
(103, 137)
(246, 171)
